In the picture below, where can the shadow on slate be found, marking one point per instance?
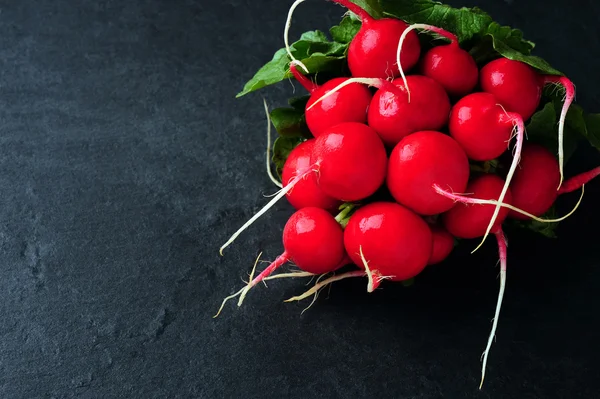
(126, 162)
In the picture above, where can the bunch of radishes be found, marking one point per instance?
(386, 182)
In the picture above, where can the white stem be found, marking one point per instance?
(288, 24)
(273, 201)
(367, 81)
(269, 171)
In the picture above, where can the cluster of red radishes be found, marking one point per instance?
(412, 140)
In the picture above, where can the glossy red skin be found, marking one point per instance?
(306, 193)
(395, 241)
(452, 67)
(393, 117)
(443, 244)
(314, 241)
(350, 160)
(480, 126)
(534, 183)
(515, 85)
(421, 160)
(471, 221)
(350, 104)
(372, 52)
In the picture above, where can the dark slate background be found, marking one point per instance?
(125, 163)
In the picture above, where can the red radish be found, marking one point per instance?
(394, 242)
(534, 184)
(468, 221)
(349, 104)
(372, 51)
(420, 161)
(313, 240)
(481, 126)
(442, 244)
(393, 116)
(306, 193)
(350, 161)
(518, 87)
(449, 65)
(388, 241)
(483, 129)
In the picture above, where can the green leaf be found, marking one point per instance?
(545, 229)
(592, 122)
(281, 150)
(463, 22)
(370, 6)
(536, 62)
(314, 49)
(290, 122)
(299, 102)
(543, 128)
(346, 30)
(512, 38)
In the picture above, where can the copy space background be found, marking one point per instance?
(125, 162)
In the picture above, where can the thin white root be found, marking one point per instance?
(477, 201)
(367, 81)
(398, 51)
(227, 299)
(502, 252)
(520, 126)
(273, 201)
(248, 286)
(269, 171)
(288, 24)
(318, 286)
(315, 297)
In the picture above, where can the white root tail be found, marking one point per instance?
(273, 201)
(520, 126)
(477, 201)
(286, 30)
(412, 27)
(320, 285)
(269, 171)
(366, 81)
(502, 254)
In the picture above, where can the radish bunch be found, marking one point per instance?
(392, 175)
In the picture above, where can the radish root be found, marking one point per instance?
(502, 244)
(286, 30)
(520, 126)
(320, 285)
(425, 28)
(374, 278)
(273, 201)
(240, 292)
(269, 171)
(569, 97)
(477, 201)
(368, 81)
